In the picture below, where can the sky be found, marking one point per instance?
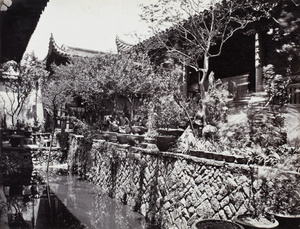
(88, 24)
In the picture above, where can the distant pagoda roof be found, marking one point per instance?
(122, 46)
(61, 54)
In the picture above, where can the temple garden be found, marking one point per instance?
(159, 129)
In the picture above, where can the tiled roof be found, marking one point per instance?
(67, 51)
(122, 46)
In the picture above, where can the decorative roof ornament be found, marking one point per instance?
(67, 51)
(122, 46)
(53, 47)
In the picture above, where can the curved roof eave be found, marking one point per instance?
(53, 47)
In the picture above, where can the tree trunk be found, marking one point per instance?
(202, 81)
(204, 71)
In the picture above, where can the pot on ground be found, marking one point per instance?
(15, 140)
(208, 155)
(215, 224)
(139, 129)
(288, 221)
(241, 159)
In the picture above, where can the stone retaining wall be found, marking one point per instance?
(172, 190)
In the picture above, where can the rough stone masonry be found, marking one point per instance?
(170, 189)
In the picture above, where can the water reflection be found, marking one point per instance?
(34, 206)
(68, 202)
(92, 207)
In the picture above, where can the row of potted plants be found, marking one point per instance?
(163, 142)
(225, 156)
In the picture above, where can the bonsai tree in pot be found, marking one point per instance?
(256, 216)
(167, 115)
(284, 191)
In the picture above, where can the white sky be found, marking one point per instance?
(89, 24)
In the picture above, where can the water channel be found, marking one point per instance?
(66, 202)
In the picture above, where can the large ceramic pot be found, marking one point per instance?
(208, 155)
(215, 224)
(286, 221)
(218, 156)
(197, 153)
(109, 136)
(250, 222)
(139, 129)
(164, 142)
(15, 140)
(133, 139)
(123, 138)
(171, 132)
(229, 158)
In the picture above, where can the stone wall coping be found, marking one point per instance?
(261, 170)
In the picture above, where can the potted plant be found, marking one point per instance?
(122, 138)
(284, 193)
(256, 216)
(167, 115)
(228, 156)
(250, 221)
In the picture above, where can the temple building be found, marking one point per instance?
(61, 54)
(240, 63)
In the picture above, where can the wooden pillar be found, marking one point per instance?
(1, 141)
(184, 81)
(258, 64)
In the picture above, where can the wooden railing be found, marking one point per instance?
(294, 92)
(237, 86)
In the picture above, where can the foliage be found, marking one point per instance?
(168, 114)
(234, 136)
(215, 102)
(260, 135)
(199, 31)
(7, 167)
(285, 31)
(287, 196)
(267, 123)
(282, 185)
(18, 88)
(109, 76)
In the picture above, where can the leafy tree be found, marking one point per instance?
(108, 76)
(198, 31)
(55, 96)
(285, 32)
(25, 80)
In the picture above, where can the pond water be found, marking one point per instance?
(67, 202)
